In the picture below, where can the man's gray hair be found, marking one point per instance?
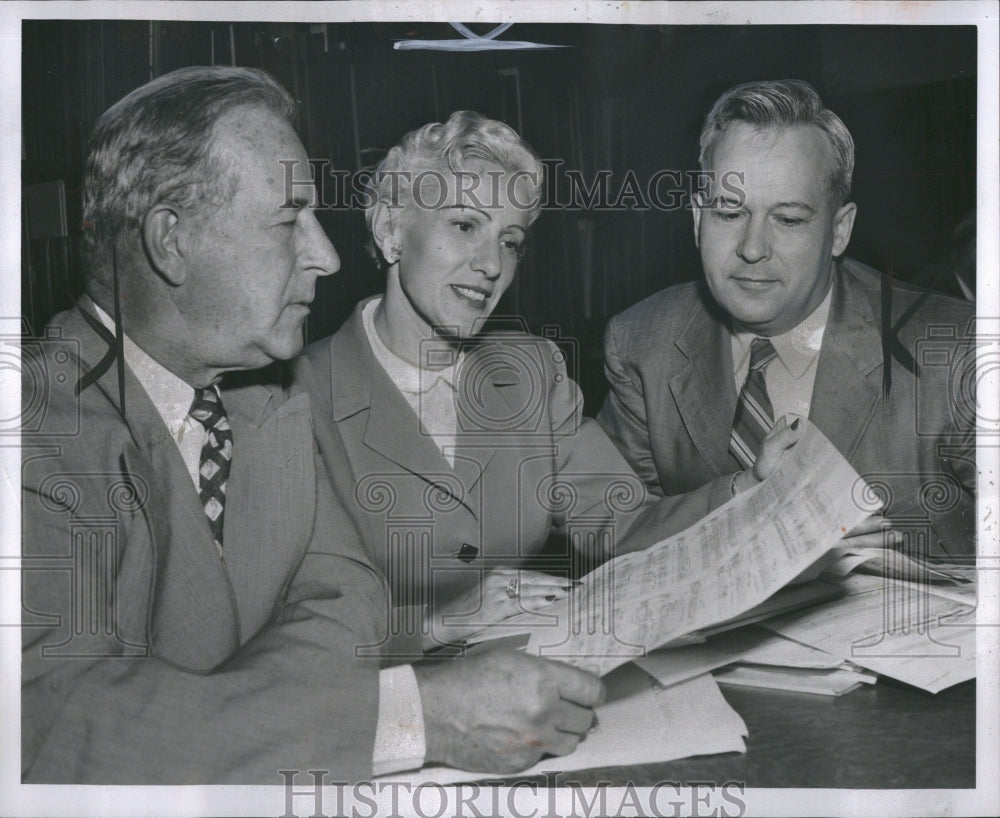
(155, 145)
(782, 104)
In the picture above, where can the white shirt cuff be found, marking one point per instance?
(399, 734)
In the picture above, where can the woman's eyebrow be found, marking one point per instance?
(468, 207)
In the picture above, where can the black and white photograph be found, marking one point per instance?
(455, 409)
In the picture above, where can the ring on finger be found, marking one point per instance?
(512, 589)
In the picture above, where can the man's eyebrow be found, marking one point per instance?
(468, 207)
(730, 201)
(799, 205)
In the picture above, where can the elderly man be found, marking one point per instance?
(198, 605)
(783, 325)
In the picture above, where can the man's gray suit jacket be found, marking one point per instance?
(894, 392)
(147, 659)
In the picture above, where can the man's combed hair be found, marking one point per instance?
(155, 145)
(782, 104)
(448, 147)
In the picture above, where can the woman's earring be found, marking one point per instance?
(395, 254)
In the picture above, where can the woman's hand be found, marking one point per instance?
(502, 593)
(875, 531)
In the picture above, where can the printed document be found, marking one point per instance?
(732, 560)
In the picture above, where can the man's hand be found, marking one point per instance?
(783, 436)
(489, 603)
(502, 710)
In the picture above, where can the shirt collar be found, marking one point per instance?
(406, 376)
(171, 396)
(798, 347)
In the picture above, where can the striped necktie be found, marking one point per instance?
(754, 414)
(216, 456)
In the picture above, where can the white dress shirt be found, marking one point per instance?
(399, 734)
(791, 376)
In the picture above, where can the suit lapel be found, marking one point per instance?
(270, 502)
(848, 375)
(707, 402)
(193, 621)
(488, 399)
(392, 429)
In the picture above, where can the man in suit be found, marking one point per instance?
(198, 606)
(784, 325)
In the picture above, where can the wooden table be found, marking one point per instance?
(882, 736)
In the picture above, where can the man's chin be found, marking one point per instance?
(283, 350)
(287, 351)
(758, 322)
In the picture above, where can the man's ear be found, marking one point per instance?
(162, 243)
(843, 224)
(697, 202)
(384, 230)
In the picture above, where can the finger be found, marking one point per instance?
(562, 744)
(538, 603)
(876, 522)
(535, 578)
(879, 539)
(505, 574)
(499, 593)
(772, 450)
(545, 594)
(779, 426)
(571, 718)
(501, 580)
(499, 588)
(783, 438)
(577, 685)
(542, 591)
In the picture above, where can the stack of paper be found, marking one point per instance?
(641, 722)
(832, 682)
(730, 561)
(912, 632)
(732, 568)
(887, 562)
(752, 656)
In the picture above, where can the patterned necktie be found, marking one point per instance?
(216, 455)
(754, 414)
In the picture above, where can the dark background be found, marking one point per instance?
(618, 98)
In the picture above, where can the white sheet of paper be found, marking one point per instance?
(898, 629)
(640, 723)
(749, 644)
(781, 652)
(889, 563)
(830, 682)
(726, 563)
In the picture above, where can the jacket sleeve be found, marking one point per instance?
(623, 415)
(612, 502)
(295, 696)
(623, 419)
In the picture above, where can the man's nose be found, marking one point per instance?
(755, 244)
(319, 255)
